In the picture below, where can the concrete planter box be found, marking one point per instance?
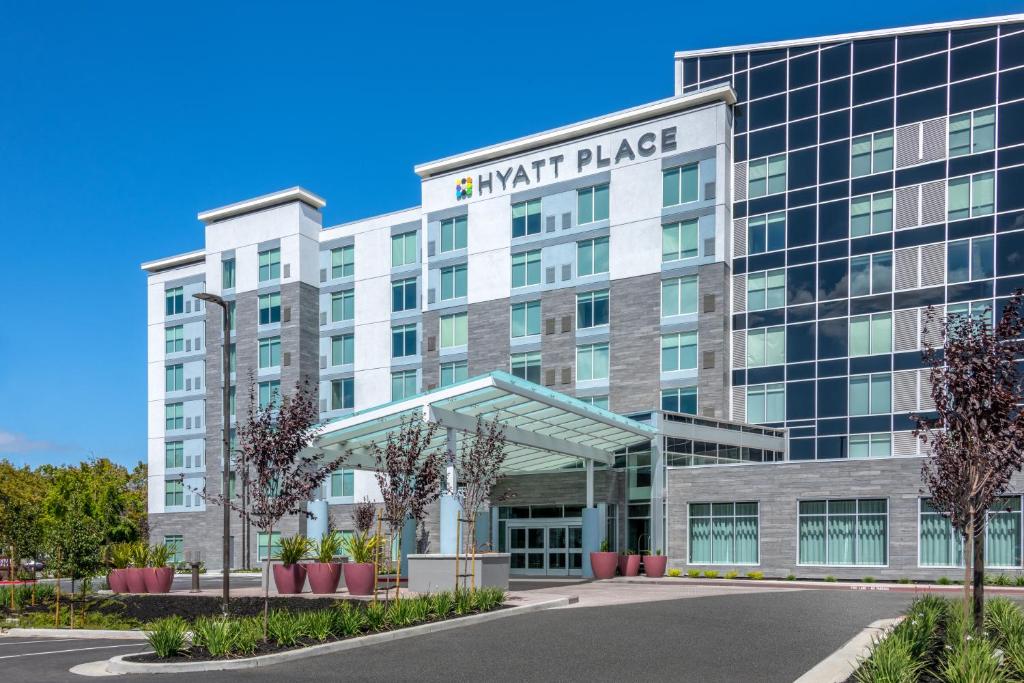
(433, 573)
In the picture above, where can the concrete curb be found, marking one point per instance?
(813, 585)
(80, 633)
(117, 665)
(841, 664)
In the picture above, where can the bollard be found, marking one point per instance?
(195, 577)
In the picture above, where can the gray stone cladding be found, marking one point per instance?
(713, 324)
(635, 343)
(429, 344)
(558, 339)
(489, 336)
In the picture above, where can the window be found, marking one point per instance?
(403, 295)
(174, 299)
(871, 214)
(683, 400)
(526, 218)
(262, 549)
(403, 341)
(871, 153)
(232, 359)
(972, 132)
(680, 185)
(270, 308)
(174, 493)
(270, 265)
(232, 400)
(452, 373)
(871, 274)
(174, 416)
(174, 546)
(871, 394)
(403, 384)
(175, 377)
(453, 282)
(525, 319)
(343, 262)
(453, 233)
(403, 249)
(679, 240)
(227, 274)
(766, 176)
(526, 268)
(526, 366)
(591, 362)
(979, 310)
(343, 305)
(454, 330)
(939, 545)
(232, 310)
(766, 289)
(723, 533)
(766, 403)
(679, 295)
(870, 445)
(870, 334)
(844, 532)
(174, 339)
(679, 351)
(174, 454)
(592, 204)
(270, 353)
(343, 349)
(269, 394)
(591, 309)
(970, 196)
(968, 260)
(766, 233)
(596, 401)
(592, 256)
(766, 346)
(343, 484)
(342, 393)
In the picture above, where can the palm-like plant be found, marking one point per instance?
(159, 555)
(138, 554)
(328, 547)
(118, 555)
(361, 547)
(293, 549)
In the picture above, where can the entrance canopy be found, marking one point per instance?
(544, 430)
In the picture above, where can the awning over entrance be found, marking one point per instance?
(545, 430)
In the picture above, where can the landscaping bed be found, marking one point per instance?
(175, 639)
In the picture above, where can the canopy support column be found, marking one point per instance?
(450, 508)
(592, 524)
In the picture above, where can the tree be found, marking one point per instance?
(278, 465)
(408, 470)
(21, 495)
(977, 435)
(363, 516)
(479, 467)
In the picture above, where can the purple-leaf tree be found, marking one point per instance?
(977, 435)
(409, 468)
(363, 516)
(478, 466)
(277, 464)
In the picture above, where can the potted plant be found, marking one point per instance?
(118, 557)
(602, 562)
(629, 563)
(158, 576)
(359, 572)
(138, 557)
(290, 575)
(654, 565)
(325, 573)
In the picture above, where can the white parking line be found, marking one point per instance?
(77, 649)
(45, 640)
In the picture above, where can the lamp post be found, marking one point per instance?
(226, 442)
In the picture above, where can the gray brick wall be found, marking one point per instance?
(558, 350)
(635, 351)
(488, 336)
(713, 326)
(431, 374)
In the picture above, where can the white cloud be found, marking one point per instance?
(19, 443)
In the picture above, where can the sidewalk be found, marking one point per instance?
(812, 585)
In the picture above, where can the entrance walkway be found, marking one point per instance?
(603, 593)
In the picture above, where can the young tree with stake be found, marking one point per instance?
(478, 467)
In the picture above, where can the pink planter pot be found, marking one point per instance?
(359, 577)
(289, 579)
(135, 579)
(632, 567)
(603, 564)
(158, 579)
(654, 565)
(117, 581)
(324, 577)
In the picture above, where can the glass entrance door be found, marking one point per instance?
(552, 548)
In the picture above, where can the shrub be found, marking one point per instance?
(399, 613)
(675, 572)
(316, 624)
(891, 661)
(868, 579)
(903, 579)
(490, 598)
(167, 636)
(159, 555)
(348, 621)
(328, 547)
(1002, 580)
(248, 635)
(710, 573)
(731, 574)
(693, 573)
(943, 581)
(756, 576)
(1012, 643)
(421, 608)
(361, 547)
(293, 549)
(217, 635)
(1019, 580)
(1002, 619)
(830, 579)
(790, 577)
(974, 661)
(442, 604)
(465, 602)
(284, 628)
(376, 616)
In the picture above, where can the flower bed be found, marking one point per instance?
(174, 639)
(931, 644)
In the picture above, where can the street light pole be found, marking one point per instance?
(226, 442)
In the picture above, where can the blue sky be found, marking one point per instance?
(119, 122)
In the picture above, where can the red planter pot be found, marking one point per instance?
(358, 577)
(135, 579)
(324, 577)
(158, 579)
(289, 579)
(654, 565)
(631, 567)
(117, 581)
(603, 564)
